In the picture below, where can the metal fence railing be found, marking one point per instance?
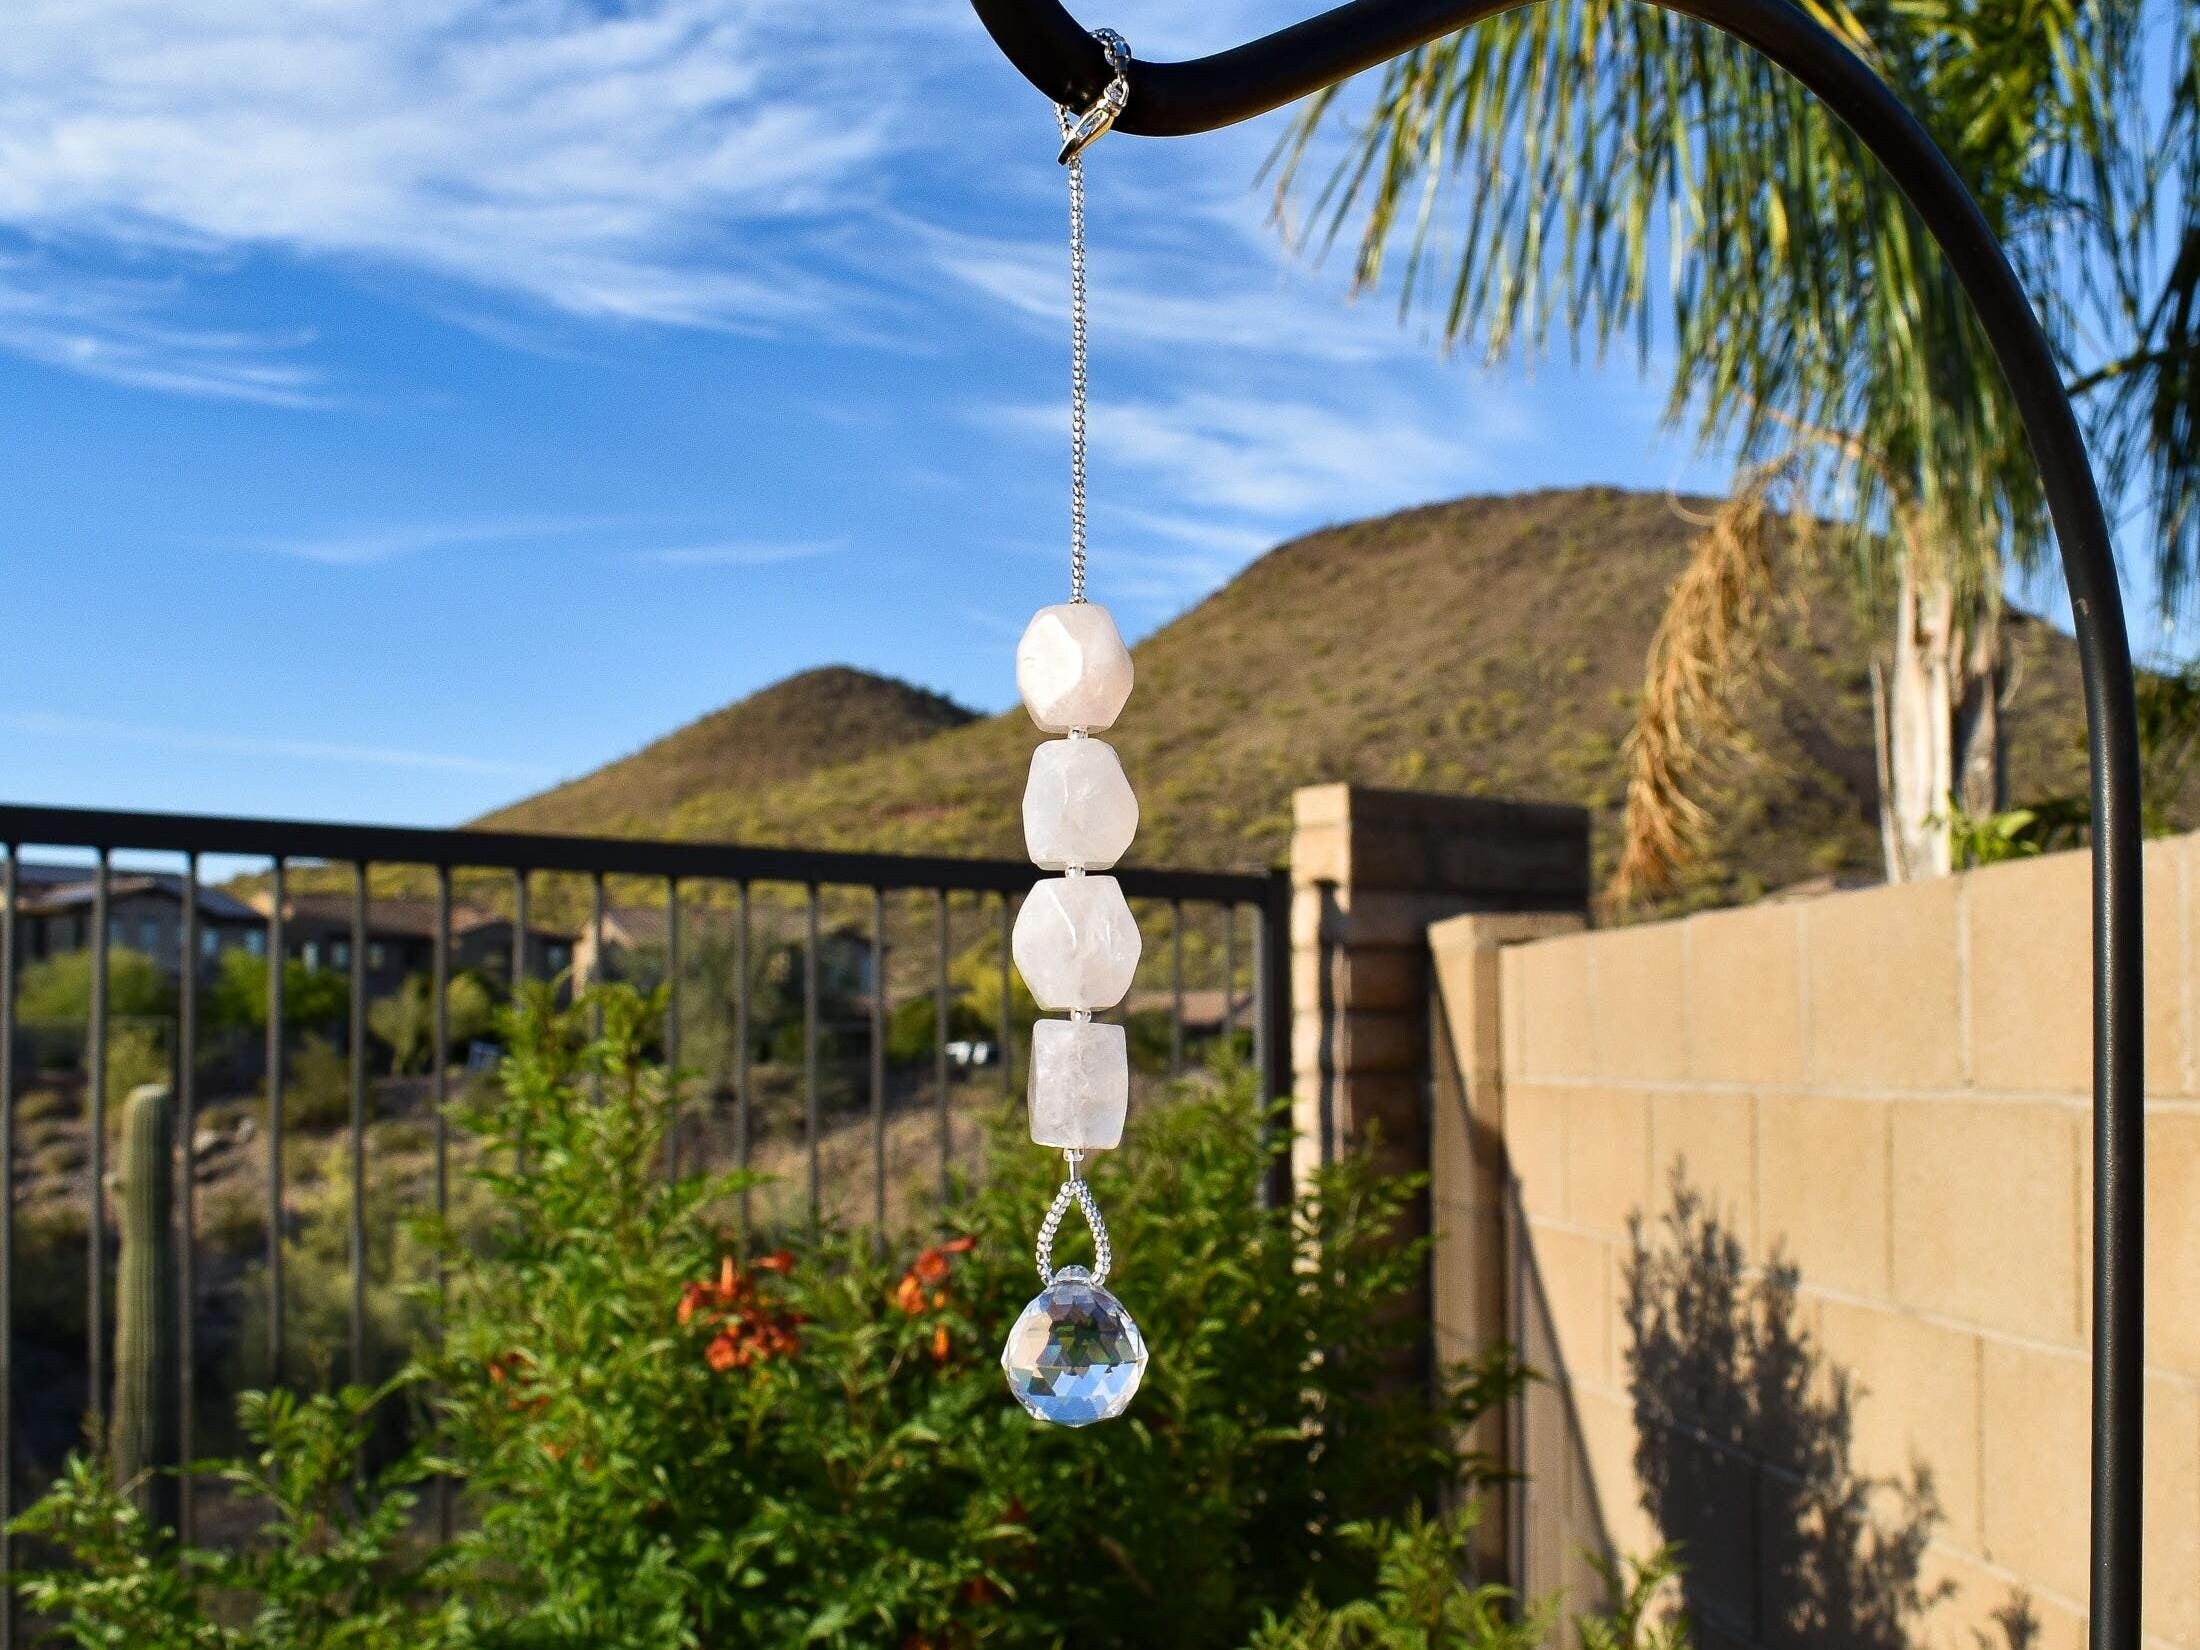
(280, 859)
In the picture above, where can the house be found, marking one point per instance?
(635, 939)
(1204, 1009)
(400, 938)
(55, 904)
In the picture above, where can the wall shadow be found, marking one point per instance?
(1745, 1454)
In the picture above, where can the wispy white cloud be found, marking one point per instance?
(1290, 458)
(1225, 542)
(1170, 297)
(739, 554)
(999, 624)
(615, 163)
(367, 546)
(58, 726)
(122, 329)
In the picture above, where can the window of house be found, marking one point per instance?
(377, 956)
(255, 942)
(210, 942)
(310, 953)
(339, 953)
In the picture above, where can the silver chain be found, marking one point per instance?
(1078, 131)
(1074, 1190)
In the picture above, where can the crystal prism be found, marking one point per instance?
(1074, 1356)
(1072, 668)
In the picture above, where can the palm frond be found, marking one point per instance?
(1708, 631)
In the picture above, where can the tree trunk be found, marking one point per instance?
(1920, 755)
(1938, 714)
(1981, 759)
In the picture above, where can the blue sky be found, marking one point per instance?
(405, 404)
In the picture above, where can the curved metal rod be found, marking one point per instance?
(1055, 53)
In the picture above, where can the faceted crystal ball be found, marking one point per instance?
(1072, 668)
(1075, 943)
(1078, 807)
(1074, 1356)
(1080, 1084)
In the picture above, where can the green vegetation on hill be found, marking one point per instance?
(1489, 646)
(832, 714)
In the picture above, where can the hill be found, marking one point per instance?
(819, 718)
(1487, 646)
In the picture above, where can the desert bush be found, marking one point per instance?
(43, 1105)
(57, 990)
(404, 1021)
(317, 1087)
(136, 1055)
(912, 1031)
(317, 1284)
(236, 1001)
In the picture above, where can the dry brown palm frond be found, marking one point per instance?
(1706, 638)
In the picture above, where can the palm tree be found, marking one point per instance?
(1603, 167)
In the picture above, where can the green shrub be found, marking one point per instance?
(665, 1445)
(405, 1020)
(57, 990)
(317, 1087)
(1147, 1033)
(860, 1476)
(912, 1031)
(332, 1564)
(313, 998)
(1418, 1601)
(136, 1055)
(317, 1282)
(1421, 1602)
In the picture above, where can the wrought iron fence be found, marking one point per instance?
(282, 855)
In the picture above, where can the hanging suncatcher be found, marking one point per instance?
(1074, 1356)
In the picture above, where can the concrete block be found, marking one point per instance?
(1985, 1214)
(1883, 975)
(1745, 1014)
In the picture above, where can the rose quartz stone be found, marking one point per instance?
(1080, 1084)
(1075, 942)
(1078, 807)
(1072, 668)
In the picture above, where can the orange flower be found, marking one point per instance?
(930, 1267)
(747, 1325)
(916, 1293)
(939, 1344)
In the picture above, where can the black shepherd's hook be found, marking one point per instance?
(1063, 60)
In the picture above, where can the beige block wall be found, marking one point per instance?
(1887, 1091)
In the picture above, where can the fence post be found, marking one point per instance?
(1272, 1017)
(1371, 870)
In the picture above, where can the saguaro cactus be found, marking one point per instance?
(143, 1435)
